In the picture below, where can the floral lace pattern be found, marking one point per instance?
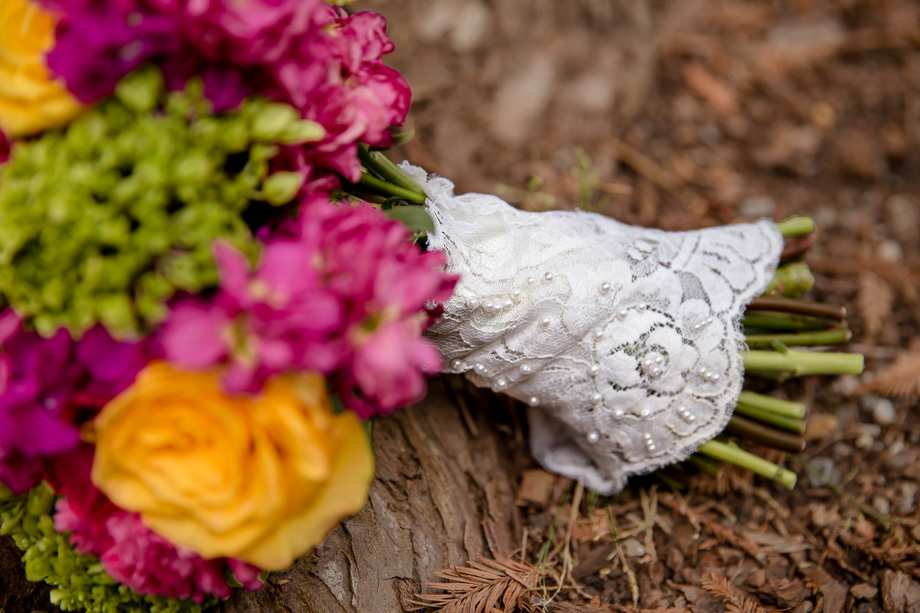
(625, 342)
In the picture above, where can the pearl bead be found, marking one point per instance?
(604, 288)
(545, 322)
(594, 370)
(497, 308)
(704, 371)
(501, 383)
(487, 305)
(622, 312)
(648, 362)
(533, 401)
(593, 437)
(650, 446)
(598, 335)
(641, 307)
(515, 294)
(457, 365)
(526, 369)
(647, 437)
(659, 360)
(548, 277)
(531, 281)
(479, 368)
(596, 397)
(644, 412)
(508, 304)
(473, 303)
(619, 413)
(655, 372)
(713, 377)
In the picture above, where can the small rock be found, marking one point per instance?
(866, 435)
(633, 548)
(846, 385)
(883, 411)
(522, 98)
(823, 471)
(890, 251)
(881, 504)
(757, 206)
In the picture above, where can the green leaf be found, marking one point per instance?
(416, 218)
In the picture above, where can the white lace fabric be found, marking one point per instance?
(625, 342)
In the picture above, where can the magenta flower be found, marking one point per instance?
(49, 386)
(5, 148)
(129, 551)
(342, 291)
(274, 319)
(302, 52)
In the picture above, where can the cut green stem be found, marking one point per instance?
(786, 408)
(389, 189)
(817, 338)
(798, 363)
(791, 280)
(755, 319)
(800, 225)
(739, 457)
(750, 430)
(381, 164)
(791, 424)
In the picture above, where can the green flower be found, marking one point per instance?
(80, 582)
(107, 218)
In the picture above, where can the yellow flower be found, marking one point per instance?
(30, 99)
(259, 478)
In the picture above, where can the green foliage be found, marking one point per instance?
(80, 581)
(107, 218)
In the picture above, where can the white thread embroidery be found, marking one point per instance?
(625, 342)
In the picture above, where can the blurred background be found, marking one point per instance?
(688, 114)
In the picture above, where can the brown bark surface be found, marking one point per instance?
(443, 495)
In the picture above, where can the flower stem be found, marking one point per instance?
(381, 164)
(792, 279)
(802, 307)
(791, 424)
(389, 189)
(838, 336)
(750, 430)
(798, 363)
(786, 322)
(799, 225)
(786, 408)
(735, 455)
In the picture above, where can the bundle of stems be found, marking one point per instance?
(773, 323)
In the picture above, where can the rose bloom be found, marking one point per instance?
(258, 478)
(30, 98)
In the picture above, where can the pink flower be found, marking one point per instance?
(342, 291)
(129, 551)
(276, 318)
(302, 52)
(49, 386)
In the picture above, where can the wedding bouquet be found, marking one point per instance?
(210, 278)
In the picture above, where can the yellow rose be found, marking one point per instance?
(30, 99)
(259, 478)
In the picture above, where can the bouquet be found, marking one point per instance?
(212, 279)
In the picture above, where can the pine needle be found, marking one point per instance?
(735, 601)
(482, 587)
(901, 379)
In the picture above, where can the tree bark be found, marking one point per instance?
(443, 495)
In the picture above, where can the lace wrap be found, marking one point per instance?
(625, 342)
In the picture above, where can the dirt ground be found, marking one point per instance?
(753, 109)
